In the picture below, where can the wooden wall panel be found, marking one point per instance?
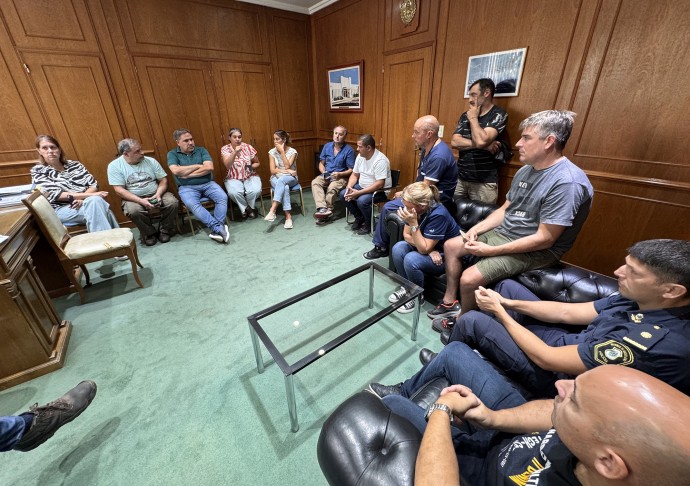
(200, 29)
(420, 31)
(293, 73)
(358, 22)
(79, 106)
(50, 24)
(181, 95)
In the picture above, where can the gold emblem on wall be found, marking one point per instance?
(408, 9)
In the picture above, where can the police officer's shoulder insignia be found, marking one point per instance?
(645, 336)
(613, 352)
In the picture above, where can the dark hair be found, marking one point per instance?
(233, 130)
(283, 135)
(668, 259)
(484, 84)
(179, 132)
(368, 140)
(52, 140)
(125, 145)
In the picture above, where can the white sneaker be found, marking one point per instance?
(288, 224)
(227, 234)
(397, 295)
(122, 258)
(407, 308)
(271, 216)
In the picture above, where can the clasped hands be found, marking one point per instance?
(465, 405)
(489, 300)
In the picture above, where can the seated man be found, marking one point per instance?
(193, 170)
(547, 204)
(646, 327)
(30, 429)
(142, 184)
(372, 172)
(436, 167)
(610, 425)
(336, 162)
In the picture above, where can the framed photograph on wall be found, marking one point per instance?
(503, 68)
(345, 87)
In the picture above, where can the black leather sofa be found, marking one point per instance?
(363, 443)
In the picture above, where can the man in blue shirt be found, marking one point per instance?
(192, 167)
(335, 165)
(436, 167)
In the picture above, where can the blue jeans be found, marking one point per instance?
(412, 265)
(191, 197)
(94, 213)
(11, 432)
(281, 189)
(360, 207)
(381, 237)
(459, 364)
(482, 332)
(244, 193)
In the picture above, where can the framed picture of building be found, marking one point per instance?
(503, 68)
(345, 87)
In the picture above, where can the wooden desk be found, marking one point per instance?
(33, 339)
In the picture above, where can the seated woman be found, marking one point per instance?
(241, 181)
(70, 188)
(283, 163)
(428, 225)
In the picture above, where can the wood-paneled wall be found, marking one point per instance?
(618, 64)
(102, 70)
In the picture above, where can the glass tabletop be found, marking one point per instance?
(303, 328)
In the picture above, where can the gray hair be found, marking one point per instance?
(126, 145)
(179, 132)
(558, 123)
(668, 259)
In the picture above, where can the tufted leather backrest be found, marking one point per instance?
(566, 283)
(364, 443)
(471, 212)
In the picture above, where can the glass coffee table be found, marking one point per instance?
(302, 329)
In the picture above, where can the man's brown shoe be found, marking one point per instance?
(49, 418)
(163, 236)
(150, 240)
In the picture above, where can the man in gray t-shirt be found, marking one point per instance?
(547, 204)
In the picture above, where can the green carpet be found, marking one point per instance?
(179, 397)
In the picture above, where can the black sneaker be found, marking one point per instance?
(384, 390)
(49, 418)
(441, 323)
(375, 253)
(409, 307)
(397, 295)
(217, 237)
(364, 230)
(444, 310)
(358, 223)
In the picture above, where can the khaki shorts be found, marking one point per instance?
(478, 191)
(497, 268)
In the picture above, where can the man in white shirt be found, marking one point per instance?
(371, 173)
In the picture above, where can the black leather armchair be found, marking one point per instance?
(363, 443)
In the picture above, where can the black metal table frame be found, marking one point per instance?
(257, 332)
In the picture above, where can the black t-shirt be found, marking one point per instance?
(532, 459)
(479, 165)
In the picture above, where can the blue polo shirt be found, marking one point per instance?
(656, 342)
(438, 224)
(439, 166)
(198, 155)
(337, 163)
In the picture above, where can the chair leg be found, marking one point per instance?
(301, 201)
(132, 259)
(86, 274)
(136, 254)
(232, 212)
(189, 218)
(261, 199)
(68, 267)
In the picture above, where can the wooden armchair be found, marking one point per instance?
(85, 248)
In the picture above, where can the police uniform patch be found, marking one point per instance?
(645, 336)
(613, 352)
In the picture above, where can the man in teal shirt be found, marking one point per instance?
(192, 167)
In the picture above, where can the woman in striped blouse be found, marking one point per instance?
(241, 181)
(70, 188)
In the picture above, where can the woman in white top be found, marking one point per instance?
(283, 164)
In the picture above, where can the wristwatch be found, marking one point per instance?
(70, 199)
(438, 406)
(413, 228)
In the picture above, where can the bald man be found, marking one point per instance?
(611, 425)
(436, 167)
